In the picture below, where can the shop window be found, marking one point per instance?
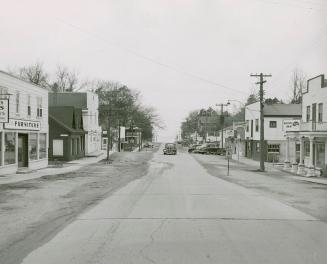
(39, 107)
(32, 146)
(1, 149)
(17, 102)
(3, 90)
(73, 147)
(257, 125)
(42, 146)
(273, 148)
(257, 146)
(307, 149)
(297, 147)
(273, 124)
(320, 111)
(29, 105)
(10, 148)
(308, 113)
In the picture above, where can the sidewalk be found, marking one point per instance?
(67, 167)
(274, 167)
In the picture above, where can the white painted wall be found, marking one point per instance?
(25, 89)
(252, 112)
(91, 124)
(316, 94)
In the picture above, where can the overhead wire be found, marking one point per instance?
(149, 59)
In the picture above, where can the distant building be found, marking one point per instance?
(275, 144)
(133, 138)
(311, 134)
(24, 136)
(88, 102)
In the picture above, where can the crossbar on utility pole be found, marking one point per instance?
(262, 129)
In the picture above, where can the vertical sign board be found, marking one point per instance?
(228, 156)
(4, 110)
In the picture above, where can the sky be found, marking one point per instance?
(181, 55)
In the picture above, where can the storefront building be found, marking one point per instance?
(88, 102)
(66, 136)
(275, 145)
(24, 128)
(311, 134)
(133, 137)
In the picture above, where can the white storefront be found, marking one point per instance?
(278, 148)
(24, 130)
(312, 131)
(91, 124)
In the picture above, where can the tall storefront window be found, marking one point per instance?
(10, 148)
(33, 146)
(1, 151)
(42, 146)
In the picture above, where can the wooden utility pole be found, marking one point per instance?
(262, 127)
(108, 135)
(222, 121)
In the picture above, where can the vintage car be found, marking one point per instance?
(170, 149)
(148, 145)
(193, 147)
(209, 148)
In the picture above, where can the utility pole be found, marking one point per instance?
(119, 136)
(262, 131)
(108, 135)
(110, 110)
(222, 121)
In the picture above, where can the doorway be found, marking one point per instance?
(22, 150)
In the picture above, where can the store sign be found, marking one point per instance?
(291, 125)
(23, 124)
(4, 110)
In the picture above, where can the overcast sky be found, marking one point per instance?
(181, 54)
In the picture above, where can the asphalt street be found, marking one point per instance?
(179, 213)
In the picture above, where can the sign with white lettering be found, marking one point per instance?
(23, 124)
(4, 110)
(291, 125)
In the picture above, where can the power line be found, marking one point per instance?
(147, 58)
(316, 9)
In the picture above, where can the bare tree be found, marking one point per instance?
(34, 73)
(297, 83)
(65, 80)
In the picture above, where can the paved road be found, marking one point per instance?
(306, 196)
(178, 213)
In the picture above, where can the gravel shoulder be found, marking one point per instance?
(34, 211)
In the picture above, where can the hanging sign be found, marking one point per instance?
(4, 110)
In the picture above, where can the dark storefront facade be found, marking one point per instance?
(252, 149)
(66, 134)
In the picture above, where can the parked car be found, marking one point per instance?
(193, 147)
(170, 149)
(148, 145)
(210, 149)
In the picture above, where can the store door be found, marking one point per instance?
(22, 150)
